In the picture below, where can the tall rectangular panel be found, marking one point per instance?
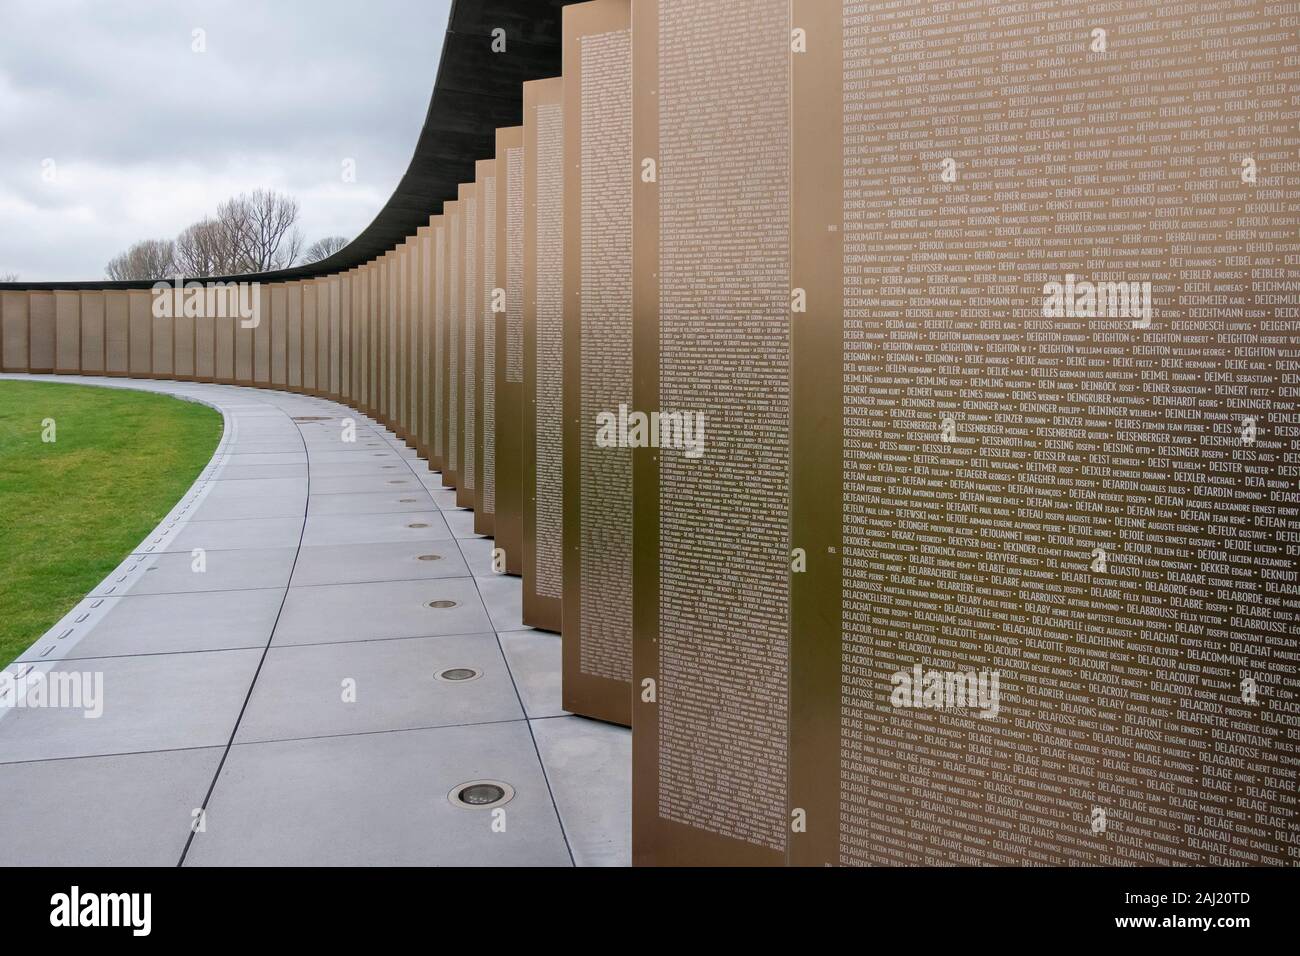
(245, 362)
(337, 353)
(117, 333)
(597, 381)
(415, 339)
(485, 351)
(383, 342)
(92, 332)
(41, 313)
(224, 327)
(280, 334)
(140, 312)
(508, 516)
(310, 328)
(183, 345)
(1040, 436)
(402, 303)
(262, 336)
(711, 300)
(343, 317)
(205, 345)
(448, 364)
(438, 345)
(542, 465)
(67, 331)
(293, 337)
(467, 269)
(322, 337)
(162, 335)
(372, 367)
(424, 357)
(14, 326)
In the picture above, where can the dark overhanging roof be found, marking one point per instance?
(475, 92)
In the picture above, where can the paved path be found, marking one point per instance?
(224, 690)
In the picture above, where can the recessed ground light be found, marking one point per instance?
(429, 557)
(407, 501)
(441, 604)
(481, 794)
(458, 675)
(311, 418)
(417, 524)
(397, 481)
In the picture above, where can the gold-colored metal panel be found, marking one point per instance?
(205, 345)
(322, 337)
(117, 333)
(508, 517)
(484, 443)
(41, 344)
(140, 310)
(337, 349)
(224, 325)
(162, 336)
(541, 464)
(437, 343)
(245, 362)
(92, 332)
(310, 330)
(711, 552)
(262, 338)
(184, 350)
(15, 325)
(451, 324)
(597, 363)
(279, 334)
(67, 332)
(468, 299)
(293, 337)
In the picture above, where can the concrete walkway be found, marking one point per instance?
(282, 705)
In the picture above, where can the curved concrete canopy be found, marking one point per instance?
(476, 92)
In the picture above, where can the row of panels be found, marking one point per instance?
(893, 405)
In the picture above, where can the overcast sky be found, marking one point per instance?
(113, 128)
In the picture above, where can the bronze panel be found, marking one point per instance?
(711, 535)
(310, 330)
(140, 316)
(438, 346)
(92, 332)
(205, 346)
(597, 365)
(117, 333)
(410, 343)
(67, 332)
(423, 296)
(322, 337)
(384, 341)
(183, 345)
(508, 517)
(333, 321)
(162, 337)
(468, 299)
(541, 465)
(448, 279)
(262, 336)
(14, 326)
(245, 359)
(223, 355)
(484, 443)
(279, 334)
(341, 298)
(40, 306)
(294, 336)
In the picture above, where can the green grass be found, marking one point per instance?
(72, 509)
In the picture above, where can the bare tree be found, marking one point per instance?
(8, 276)
(209, 248)
(266, 226)
(324, 248)
(147, 259)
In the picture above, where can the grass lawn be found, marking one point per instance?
(72, 509)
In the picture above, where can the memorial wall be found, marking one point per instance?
(893, 405)
(597, 360)
(543, 252)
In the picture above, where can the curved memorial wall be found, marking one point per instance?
(893, 405)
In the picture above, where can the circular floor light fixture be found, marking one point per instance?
(481, 794)
(458, 675)
(441, 604)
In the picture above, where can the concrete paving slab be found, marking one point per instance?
(234, 534)
(328, 689)
(586, 762)
(387, 502)
(360, 612)
(161, 624)
(280, 506)
(260, 488)
(365, 484)
(503, 596)
(222, 571)
(461, 522)
(162, 702)
(375, 528)
(391, 561)
(534, 658)
(131, 810)
(380, 800)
